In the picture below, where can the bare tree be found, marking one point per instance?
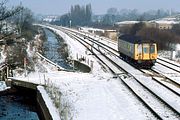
(163, 38)
(6, 13)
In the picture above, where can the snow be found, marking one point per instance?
(2, 55)
(151, 84)
(177, 47)
(96, 95)
(87, 29)
(90, 96)
(168, 54)
(169, 61)
(173, 66)
(160, 90)
(3, 86)
(127, 22)
(95, 98)
(166, 22)
(144, 80)
(150, 99)
(169, 84)
(77, 50)
(169, 73)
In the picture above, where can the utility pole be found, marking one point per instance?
(20, 19)
(70, 23)
(25, 66)
(73, 65)
(170, 12)
(7, 72)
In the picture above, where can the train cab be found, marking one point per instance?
(146, 52)
(138, 51)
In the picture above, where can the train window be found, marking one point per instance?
(145, 49)
(152, 49)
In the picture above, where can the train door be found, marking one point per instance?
(153, 51)
(139, 49)
(146, 52)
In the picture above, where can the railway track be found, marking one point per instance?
(170, 62)
(148, 96)
(115, 52)
(168, 73)
(172, 65)
(169, 65)
(163, 80)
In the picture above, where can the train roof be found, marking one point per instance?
(133, 39)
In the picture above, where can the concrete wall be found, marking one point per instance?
(42, 108)
(164, 26)
(46, 106)
(112, 34)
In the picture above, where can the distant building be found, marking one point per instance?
(112, 34)
(51, 18)
(126, 23)
(160, 24)
(165, 24)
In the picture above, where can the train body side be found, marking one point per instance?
(126, 48)
(142, 53)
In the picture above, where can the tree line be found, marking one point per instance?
(16, 25)
(165, 39)
(78, 15)
(114, 15)
(83, 16)
(18, 18)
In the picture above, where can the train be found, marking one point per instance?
(140, 52)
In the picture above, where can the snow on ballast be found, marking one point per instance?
(169, 61)
(170, 65)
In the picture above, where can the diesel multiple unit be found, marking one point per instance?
(142, 53)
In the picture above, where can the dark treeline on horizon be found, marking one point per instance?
(84, 16)
(78, 15)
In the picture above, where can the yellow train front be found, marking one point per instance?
(139, 52)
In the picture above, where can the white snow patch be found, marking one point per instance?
(3, 86)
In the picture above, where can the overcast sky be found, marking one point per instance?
(60, 7)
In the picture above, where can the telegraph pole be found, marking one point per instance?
(25, 67)
(20, 19)
(70, 23)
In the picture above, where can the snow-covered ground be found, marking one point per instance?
(87, 96)
(168, 55)
(93, 97)
(87, 29)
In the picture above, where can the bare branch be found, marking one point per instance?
(4, 14)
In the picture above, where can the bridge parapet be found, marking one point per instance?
(20, 83)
